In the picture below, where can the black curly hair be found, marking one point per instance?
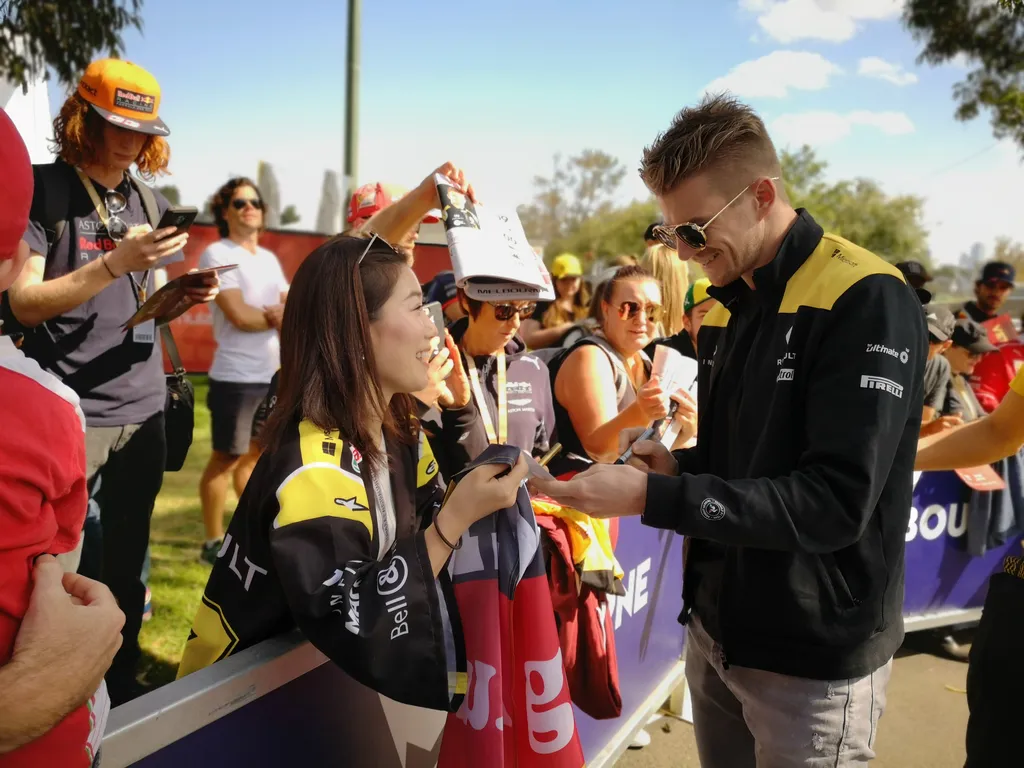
(222, 199)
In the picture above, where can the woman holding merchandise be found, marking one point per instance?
(343, 529)
(555, 319)
(604, 385)
(511, 389)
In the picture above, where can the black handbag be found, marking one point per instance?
(179, 408)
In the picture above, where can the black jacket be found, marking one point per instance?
(800, 483)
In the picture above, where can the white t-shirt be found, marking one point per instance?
(245, 357)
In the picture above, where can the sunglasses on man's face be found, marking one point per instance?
(690, 234)
(241, 202)
(503, 312)
(630, 309)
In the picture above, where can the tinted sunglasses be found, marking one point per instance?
(691, 234)
(241, 202)
(115, 202)
(505, 312)
(630, 309)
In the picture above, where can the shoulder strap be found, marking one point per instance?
(54, 180)
(148, 201)
(172, 350)
(622, 382)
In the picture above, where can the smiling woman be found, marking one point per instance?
(343, 529)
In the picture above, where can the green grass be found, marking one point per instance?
(177, 576)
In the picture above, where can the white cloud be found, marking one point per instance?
(775, 74)
(832, 20)
(819, 128)
(872, 66)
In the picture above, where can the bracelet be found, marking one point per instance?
(103, 258)
(437, 528)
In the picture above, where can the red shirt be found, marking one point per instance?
(42, 509)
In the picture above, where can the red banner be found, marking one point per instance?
(193, 331)
(517, 712)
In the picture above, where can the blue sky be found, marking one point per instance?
(501, 87)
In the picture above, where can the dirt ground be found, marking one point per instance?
(923, 725)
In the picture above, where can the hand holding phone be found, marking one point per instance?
(180, 217)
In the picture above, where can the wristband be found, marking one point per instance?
(437, 529)
(109, 270)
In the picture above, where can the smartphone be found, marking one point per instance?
(436, 313)
(178, 216)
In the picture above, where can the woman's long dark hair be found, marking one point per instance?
(328, 371)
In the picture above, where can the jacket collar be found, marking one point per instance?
(770, 280)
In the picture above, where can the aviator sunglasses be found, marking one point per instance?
(691, 234)
(241, 202)
(630, 309)
(115, 202)
(503, 312)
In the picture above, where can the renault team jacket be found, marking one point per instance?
(305, 548)
(808, 497)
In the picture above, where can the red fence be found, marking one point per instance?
(193, 331)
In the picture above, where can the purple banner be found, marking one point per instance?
(648, 637)
(940, 573)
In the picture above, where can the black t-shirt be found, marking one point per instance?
(119, 380)
(974, 312)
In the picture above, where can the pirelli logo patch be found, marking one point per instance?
(883, 384)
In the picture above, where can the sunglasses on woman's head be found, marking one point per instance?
(115, 202)
(630, 309)
(690, 234)
(505, 312)
(241, 202)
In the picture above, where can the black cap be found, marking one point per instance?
(972, 337)
(442, 289)
(649, 232)
(998, 272)
(940, 322)
(915, 272)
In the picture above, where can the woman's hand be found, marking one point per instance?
(479, 494)
(651, 400)
(454, 390)
(685, 417)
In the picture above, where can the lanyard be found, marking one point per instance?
(478, 394)
(139, 289)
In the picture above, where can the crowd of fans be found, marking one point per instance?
(336, 411)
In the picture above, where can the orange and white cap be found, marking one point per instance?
(124, 94)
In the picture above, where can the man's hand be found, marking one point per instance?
(604, 490)
(202, 290)
(143, 249)
(648, 455)
(65, 644)
(274, 315)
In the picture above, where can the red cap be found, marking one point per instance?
(370, 199)
(16, 190)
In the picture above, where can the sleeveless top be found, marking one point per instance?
(573, 456)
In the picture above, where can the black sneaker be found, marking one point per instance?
(210, 550)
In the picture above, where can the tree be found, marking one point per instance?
(577, 190)
(64, 36)
(991, 37)
(171, 193)
(1009, 251)
(858, 210)
(289, 216)
(614, 232)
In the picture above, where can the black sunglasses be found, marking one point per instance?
(630, 309)
(505, 312)
(691, 234)
(241, 202)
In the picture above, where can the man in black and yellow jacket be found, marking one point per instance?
(796, 498)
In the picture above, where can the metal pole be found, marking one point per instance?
(352, 103)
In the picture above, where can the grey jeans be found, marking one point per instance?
(100, 442)
(749, 718)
